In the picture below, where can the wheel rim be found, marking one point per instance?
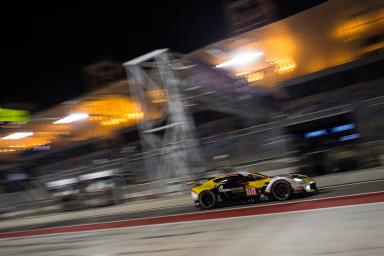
(207, 200)
(282, 190)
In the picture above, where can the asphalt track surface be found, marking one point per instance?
(327, 192)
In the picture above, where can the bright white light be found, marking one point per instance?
(17, 135)
(298, 179)
(240, 59)
(72, 118)
(63, 182)
(96, 175)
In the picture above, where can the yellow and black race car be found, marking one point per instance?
(250, 187)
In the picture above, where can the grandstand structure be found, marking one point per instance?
(304, 93)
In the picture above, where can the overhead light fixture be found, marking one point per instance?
(17, 135)
(72, 118)
(241, 59)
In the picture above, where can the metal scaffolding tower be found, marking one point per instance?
(172, 137)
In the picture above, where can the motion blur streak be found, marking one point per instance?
(355, 230)
(207, 215)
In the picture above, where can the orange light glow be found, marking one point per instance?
(157, 96)
(256, 76)
(284, 66)
(355, 26)
(105, 115)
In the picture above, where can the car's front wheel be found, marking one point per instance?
(281, 190)
(207, 199)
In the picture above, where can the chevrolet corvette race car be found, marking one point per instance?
(250, 187)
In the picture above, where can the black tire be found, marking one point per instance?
(207, 199)
(281, 190)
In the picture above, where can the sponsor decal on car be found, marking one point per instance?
(233, 190)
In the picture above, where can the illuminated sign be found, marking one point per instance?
(342, 128)
(13, 115)
(315, 134)
(336, 129)
(350, 137)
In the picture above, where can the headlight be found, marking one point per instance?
(194, 195)
(298, 179)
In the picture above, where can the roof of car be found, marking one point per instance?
(234, 174)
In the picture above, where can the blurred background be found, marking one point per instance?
(258, 85)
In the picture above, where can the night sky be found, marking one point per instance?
(44, 47)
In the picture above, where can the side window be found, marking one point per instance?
(237, 179)
(232, 180)
(242, 179)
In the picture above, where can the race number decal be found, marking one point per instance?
(250, 191)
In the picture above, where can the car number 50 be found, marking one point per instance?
(250, 191)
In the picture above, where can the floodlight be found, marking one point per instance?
(240, 59)
(72, 118)
(17, 135)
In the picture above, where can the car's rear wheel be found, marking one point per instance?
(281, 190)
(207, 199)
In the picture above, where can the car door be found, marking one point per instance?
(232, 188)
